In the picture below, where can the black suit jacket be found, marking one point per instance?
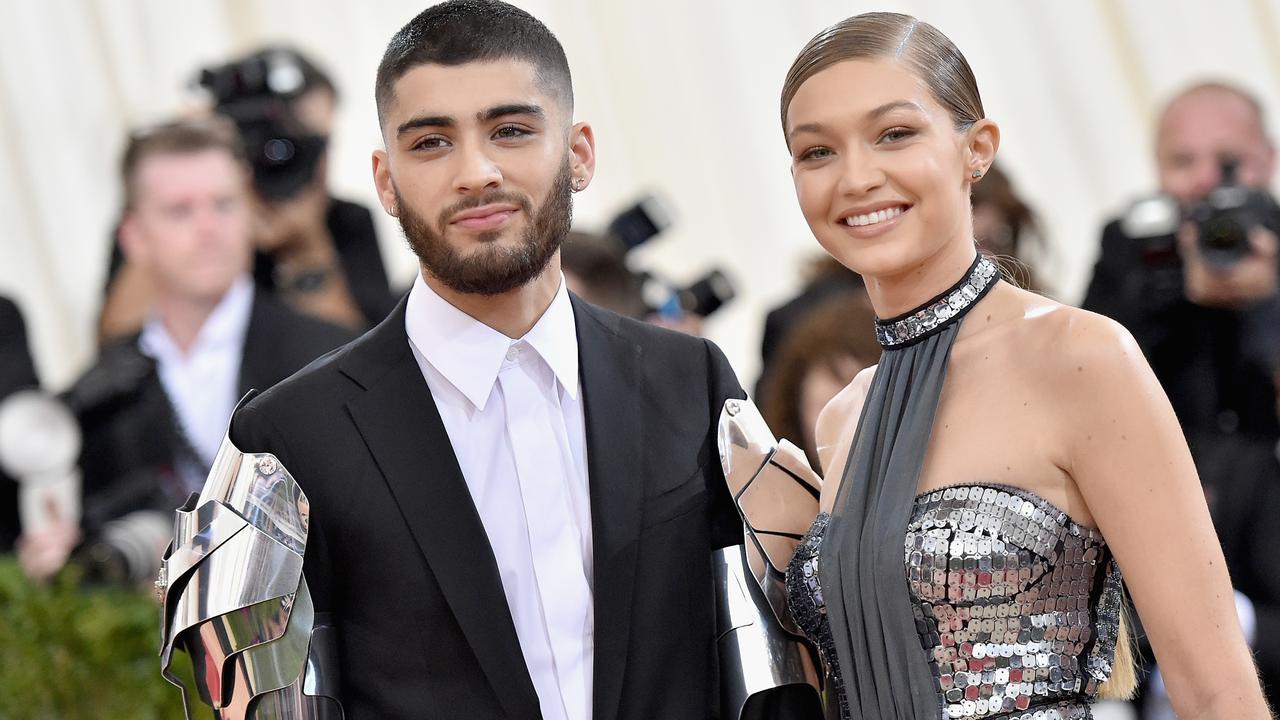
(398, 559)
(131, 438)
(1241, 478)
(17, 372)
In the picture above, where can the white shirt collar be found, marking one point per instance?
(469, 353)
(225, 327)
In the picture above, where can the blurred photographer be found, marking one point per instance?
(597, 269)
(155, 405)
(1192, 273)
(318, 253)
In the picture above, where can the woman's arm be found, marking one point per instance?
(1128, 457)
(833, 435)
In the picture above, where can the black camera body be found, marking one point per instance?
(1226, 216)
(256, 93)
(1223, 219)
(637, 225)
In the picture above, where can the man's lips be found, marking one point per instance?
(489, 217)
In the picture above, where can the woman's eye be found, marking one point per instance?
(897, 134)
(817, 153)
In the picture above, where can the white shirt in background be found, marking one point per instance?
(203, 383)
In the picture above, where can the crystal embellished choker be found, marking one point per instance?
(916, 325)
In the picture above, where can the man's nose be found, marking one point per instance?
(476, 171)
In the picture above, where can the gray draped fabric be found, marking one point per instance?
(886, 673)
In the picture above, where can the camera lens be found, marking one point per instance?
(278, 150)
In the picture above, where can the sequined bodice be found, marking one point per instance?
(1016, 605)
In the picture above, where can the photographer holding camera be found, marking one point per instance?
(1192, 273)
(316, 252)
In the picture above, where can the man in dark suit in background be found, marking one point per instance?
(17, 372)
(154, 406)
(1212, 336)
(514, 495)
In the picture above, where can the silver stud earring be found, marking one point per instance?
(977, 174)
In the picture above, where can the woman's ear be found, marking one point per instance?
(982, 142)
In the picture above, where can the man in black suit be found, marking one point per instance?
(154, 406)
(17, 372)
(514, 495)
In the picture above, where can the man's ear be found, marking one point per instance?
(582, 152)
(982, 142)
(384, 184)
(129, 237)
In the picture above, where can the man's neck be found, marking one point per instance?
(183, 318)
(513, 313)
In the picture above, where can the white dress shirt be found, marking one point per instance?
(203, 383)
(513, 413)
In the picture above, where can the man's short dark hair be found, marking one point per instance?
(464, 31)
(178, 137)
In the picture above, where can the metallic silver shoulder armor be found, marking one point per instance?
(239, 633)
(760, 647)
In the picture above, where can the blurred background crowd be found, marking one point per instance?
(145, 284)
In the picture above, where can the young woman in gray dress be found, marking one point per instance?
(989, 479)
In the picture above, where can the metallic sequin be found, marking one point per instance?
(914, 327)
(1016, 605)
(804, 597)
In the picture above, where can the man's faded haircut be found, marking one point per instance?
(178, 137)
(464, 31)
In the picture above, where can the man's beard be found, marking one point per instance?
(492, 268)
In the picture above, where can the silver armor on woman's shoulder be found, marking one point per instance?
(239, 633)
(761, 650)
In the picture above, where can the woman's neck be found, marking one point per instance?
(896, 294)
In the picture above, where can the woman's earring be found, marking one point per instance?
(977, 174)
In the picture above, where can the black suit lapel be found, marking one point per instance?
(399, 422)
(255, 359)
(610, 370)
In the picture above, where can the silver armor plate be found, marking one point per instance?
(234, 603)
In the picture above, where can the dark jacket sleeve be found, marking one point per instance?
(1257, 575)
(726, 524)
(17, 371)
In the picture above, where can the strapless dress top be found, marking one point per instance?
(1017, 606)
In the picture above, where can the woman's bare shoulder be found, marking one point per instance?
(1084, 344)
(839, 419)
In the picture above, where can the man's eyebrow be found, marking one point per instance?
(487, 115)
(421, 121)
(504, 110)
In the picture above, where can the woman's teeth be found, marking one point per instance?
(872, 218)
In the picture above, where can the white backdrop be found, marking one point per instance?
(683, 95)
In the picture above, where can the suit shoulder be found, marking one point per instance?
(277, 318)
(645, 334)
(315, 385)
